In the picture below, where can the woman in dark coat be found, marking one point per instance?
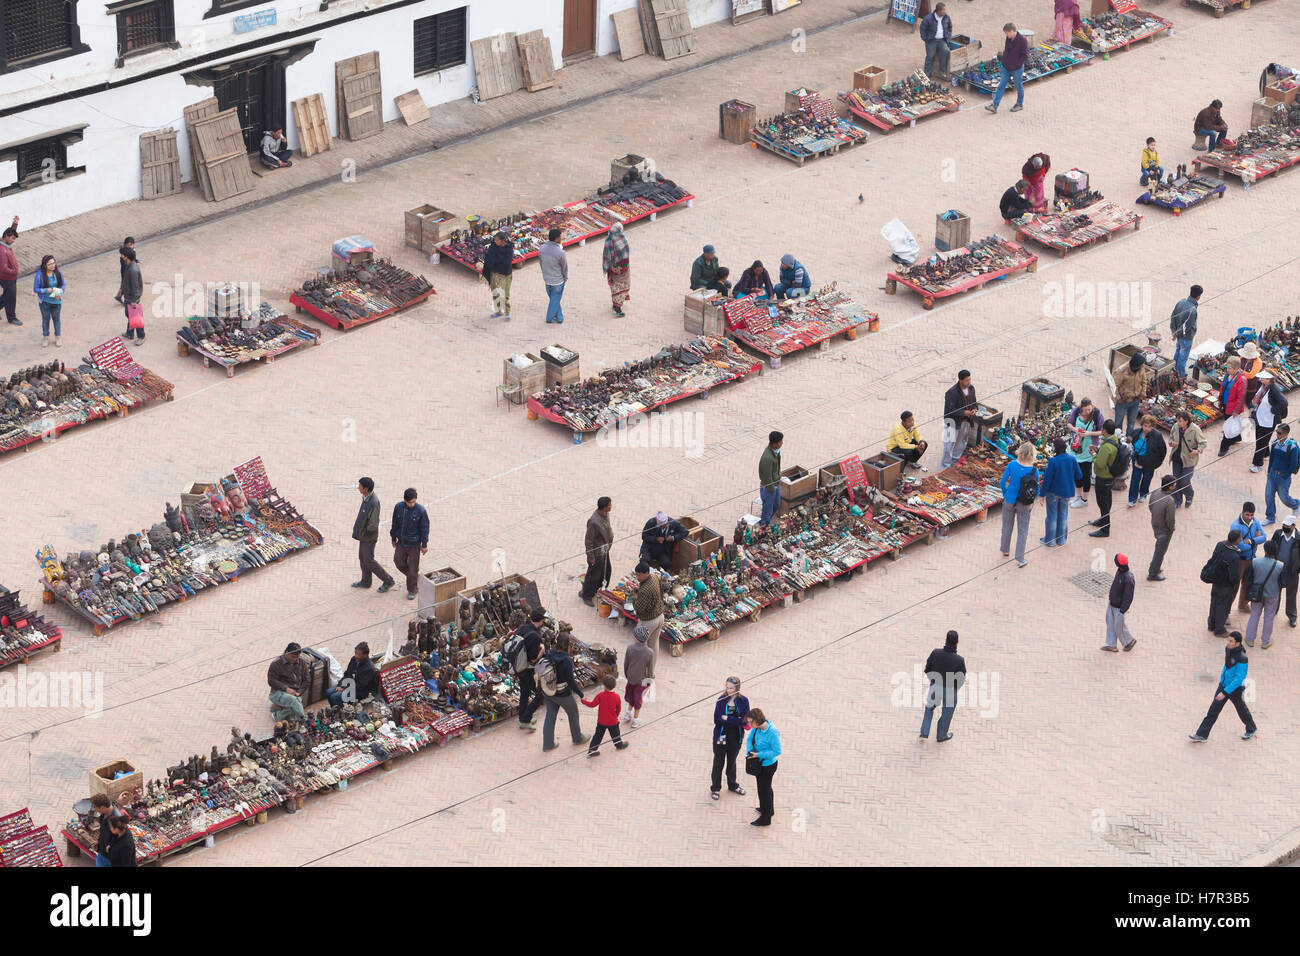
(1149, 451)
(754, 279)
(729, 714)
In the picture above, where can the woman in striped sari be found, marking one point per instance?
(618, 271)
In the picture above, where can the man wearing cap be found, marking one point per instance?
(287, 678)
(946, 670)
(639, 669)
(1209, 122)
(1121, 599)
(659, 536)
(959, 405)
(1283, 462)
(648, 604)
(769, 477)
(1163, 520)
(1288, 552)
(704, 271)
(1270, 407)
(794, 280)
(498, 269)
(1182, 322)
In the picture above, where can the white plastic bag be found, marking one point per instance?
(901, 240)
(336, 670)
(1232, 426)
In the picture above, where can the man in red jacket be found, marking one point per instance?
(1011, 66)
(9, 274)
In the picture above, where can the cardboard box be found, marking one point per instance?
(870, 78)
(437, 599)
(951, 234)
(883, 471)
(102, 779)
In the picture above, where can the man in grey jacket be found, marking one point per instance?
(132, 292)
(639, 669)
(1265, 576)
(1163, 512)
(555, 273)
(365, 531)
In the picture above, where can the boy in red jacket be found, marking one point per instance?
(606, 717)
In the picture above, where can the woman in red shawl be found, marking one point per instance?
(616, 262)
(1067, 20)
(1034, 172)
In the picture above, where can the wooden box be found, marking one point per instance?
(700, 316)
(883, 471)
(101, 779)
(1276, 94)
(620, 167)
(437, 599)
(699, 543)
(987, 420)
(951, 234)
(427, 226)
(1262, 111)
(870, 78)
(196, 492)
(530, 378)
(735, 120)
(963, 53)
(527, 590)
(561, 372)
(1037, 394)
(795, 102)
(797, 483)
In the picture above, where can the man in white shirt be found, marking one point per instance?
(1266, 402)
(935, 31)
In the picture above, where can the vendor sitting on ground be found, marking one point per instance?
(1014, 204)
(287, 677)
(1209, 122)
(704, 271)
(360, 680)
(906, 442)
(275, 149)
(1151, 168)
(754, 279)
(659, 537)
(794, 279)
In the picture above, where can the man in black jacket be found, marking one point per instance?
(958, 418)
(1013, 204)
(659, 536)
(365, 531)
(566, 695)
(947, 672)
(106, 810)
(936, 31)
(498, 265)
(1288, 552)
(1226, 564)
(1121, 599)
(360, 680)
(530, 698)
(410, 534)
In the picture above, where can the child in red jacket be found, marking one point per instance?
(609, 705)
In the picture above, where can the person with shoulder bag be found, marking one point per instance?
(1186, 442)
(1232, 399)
(1019, 490)
(761, 754)
(1223, 573)
(1265, 575)
(1149, 453)
(729, 713)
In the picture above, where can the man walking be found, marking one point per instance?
(1270, 408)
(9, 274)
(769, 477)
(1288, 552)
(936, 29)
(597, 542)
(1011, 66)
(1223, 573)
(1232, 680)
(1163, 520)
(410, 534)
(498, 270)
(555, 273)
(1252, 536)
(1182, 323)
(946, 670)
(1104, 470)
(287, 678)
(530, 649)
(365, 531)
(639, 669)
(1283, 462)
(561, 690)
(959, 405)
(1121, 599)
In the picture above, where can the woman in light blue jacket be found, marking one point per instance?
(765, 744)
(48, 286)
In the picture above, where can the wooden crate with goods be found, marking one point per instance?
(797, 485)
(963, 52)
(1279, 93)
(528, 372)
(701, 315)
(735, 120)
(699, 543)
(883, 471)
(427, 226)
(951, 230)
(114, 779)
(870, 78)
(562, 366)
(811, 98)
(1263, 111)
(437, 595)
(515, 590)
(351, 251)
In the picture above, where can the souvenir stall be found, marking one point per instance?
(230, 341)
(1077, 228)
(777, 327)
(1045, 58)
(1180, 191)
(902, 103)
(1220, 7)
(1260, 151)
(1121, 26)
(961, 270)
(358, 291)
(24, 634)
(809, 129)
(964, 490)
(23, 843)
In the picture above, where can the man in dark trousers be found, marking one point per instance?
(769, 477)
(1121, 599)
(106, 810)
(9, 274)
(410, 534)
(1288, 552)
(1013, 204)
(1104, 478)
(1163, 521)
(1232, 681)
(1011, 66)
(1182, 323)
(659, 536)
(947, 672)
(365, 531)
(597, 542)
(498, 270)
(1223, 573)
(360, 680)
(567, 694)
(1270, 408)
(959, 405)
(530, 698)
(132, 293)
(936, 31)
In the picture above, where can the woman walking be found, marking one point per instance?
(618, 272)
(48, 285)
(1149, 452)
(764, 747)
(729, 713)
(1085, 421)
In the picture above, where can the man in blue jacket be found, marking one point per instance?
(1232, 682)
(1283, 462)
(936, 30)
(1252, 536)
(795, 280)
(410, 534)
(1062, 476)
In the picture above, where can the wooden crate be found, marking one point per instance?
(530, 379)
(699, 543)
(870, 78)
(702, 317)
(964, 55)
(1276, 94)
(883, 471)
(437, 600)
(735, 120)
(797, 488)
(562, 374)
(363, 101)
(313, 125)
(344, 69)
(527, 590)
(536, 60)
(101, 779)
(1262, 111)
(160, 164)
(951, 234)
(427, 226)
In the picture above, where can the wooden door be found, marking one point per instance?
(579, 27)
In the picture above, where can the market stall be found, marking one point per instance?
(578, 221)
(1077, 228)
(230, 341)
(361, 292)
(1179, 193)
(964, 490)
(22, 843)
(809, 132)
(1045, 58)
(1121, 26)
(902, 103)
(963, 269)
(43, 401)
(24, 634)
(785, 326)
(221, 530)
(1262, 150)
(1220, 7)
(673, 373)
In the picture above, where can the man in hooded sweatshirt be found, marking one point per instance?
(1121, 599)
(795, 281)
(1232, 681)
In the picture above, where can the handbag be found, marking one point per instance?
(1256, 591)
(134, 316)
(1232, 426)
(753, 764)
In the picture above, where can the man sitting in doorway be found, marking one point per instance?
(275, 150)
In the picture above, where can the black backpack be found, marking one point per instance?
(1123, 458)
(1216, 571)
(1028, 489)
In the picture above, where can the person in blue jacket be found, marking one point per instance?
(1252, 536)
(1015, 511)
(1283, 462)
(729, 713)
(49, 286)
(1232, 682)
(795, 280)
(765, 744)
(1057, 487)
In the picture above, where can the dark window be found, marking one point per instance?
(144, 26)
(40, 161)
(36, 31)
(440, 41)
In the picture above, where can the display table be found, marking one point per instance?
(1120, 27)
(234, 341)
(23, 844)
(1078, 228)
(962, 270)
(1186, 192)
(1045, 59)
(798, 323)
(902, 103)
(964, 490)
(807, 133)
(1220, 7)
(358, 294)
(1260, 151)
(24, 634)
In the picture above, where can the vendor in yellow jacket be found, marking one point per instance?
(1151, 168)
(906, 442)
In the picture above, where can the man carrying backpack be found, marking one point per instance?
(520, 653)
(1110, 462)
(1019, 489)
(1223, 573)
(554, 672)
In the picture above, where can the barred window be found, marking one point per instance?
(34, 28)
(143, 25)
(440, 41)
(41, 161)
